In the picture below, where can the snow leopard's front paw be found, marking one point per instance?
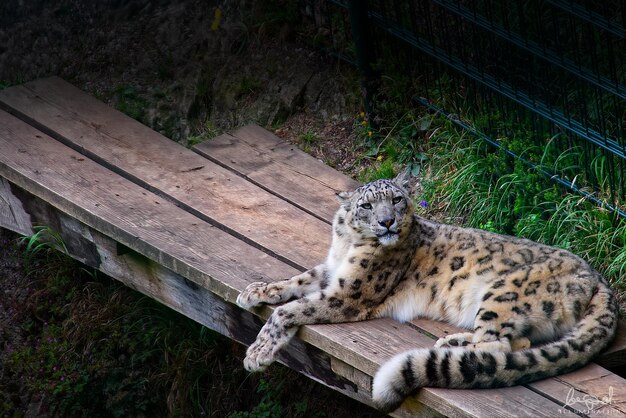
(259, 292)
(253, 295)
(259, 355)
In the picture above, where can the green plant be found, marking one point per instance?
(379, 170)
(272, 404)
(390, 148)
(45, 253)
(13, 81)
(43, 239)
(309, 137)
(128, 100)
(268, 406)
(207, 132)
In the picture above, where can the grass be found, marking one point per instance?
(389, 148)
(129, 100)
(207, 131)
(308, 140)
(89, 346)
(309, 137)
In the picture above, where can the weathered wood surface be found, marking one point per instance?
(279, 167)
(228, 150)
(12, 214)
(205, 189)
(352, 350)
(592, 390)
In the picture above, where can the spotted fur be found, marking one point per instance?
(531, 311)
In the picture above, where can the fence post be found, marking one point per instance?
(364, 47)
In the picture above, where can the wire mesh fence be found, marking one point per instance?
(544, 80)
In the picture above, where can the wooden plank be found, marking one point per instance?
(280, 168)
(69, 181)
(205, 256)
(201, 187)
(77, 101)
(100, 127)
(592, 391)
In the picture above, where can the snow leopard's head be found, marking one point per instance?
(379, 210)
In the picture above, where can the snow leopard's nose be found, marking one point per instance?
(387, 222)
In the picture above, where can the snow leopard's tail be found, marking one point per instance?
(462, 368)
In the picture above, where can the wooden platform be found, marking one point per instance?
(191, 228)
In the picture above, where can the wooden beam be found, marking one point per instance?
(98, 250)
(12, 214)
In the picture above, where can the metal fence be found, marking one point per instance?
(520, 74)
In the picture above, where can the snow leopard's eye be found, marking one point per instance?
(396, 200)
(366, 205)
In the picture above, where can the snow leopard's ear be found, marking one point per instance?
(345, 199)
(402, 179)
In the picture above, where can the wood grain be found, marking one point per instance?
(592, 391)
(203, 188)
(141, 220)
(279, 167)
(275, 165)
(12, 215)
